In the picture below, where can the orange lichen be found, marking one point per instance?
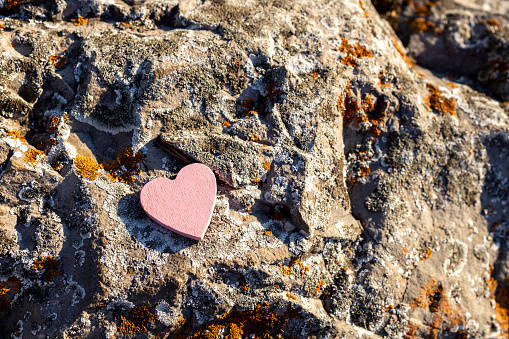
(287, 270)
(52, 123)
(2, 26)
(33, 156)
(412, 330)
(290, 296)
(434, 297)
(139, 318)
(57, 166)
(303, 268)
(492, 24)
(130, 24)
(80, 21)
(269, 232)
(125, 167)
(319, 287)
(350, 106)
(87, 167)
(353, 52)
(499, 66)
(382, 80)
(248, 103)
(257, 182)
(491, 282)
(277, 216)
(226, 124)
(237, 63)
(266, 165)
(15, 135)
(405, 57)
(49, 265)
(452, 84)
(361, 4)
(8, 290)
(502, 308)
(315, 75)
(422, 25)
(260, 322)
(436, 101)
(272, 90)
(254, 138)
(11, 4)
(243, 284)
(425, 254)
(57, 60)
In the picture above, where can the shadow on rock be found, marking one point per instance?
(146, 231)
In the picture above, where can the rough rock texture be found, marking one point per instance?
(359, 195)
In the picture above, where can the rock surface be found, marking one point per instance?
(360, 195)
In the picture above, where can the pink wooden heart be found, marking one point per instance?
(183, 205)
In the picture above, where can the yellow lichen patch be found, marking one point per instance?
(260, 322)
(319, 287)
(2, 26)
(34, 156)
(52, 123)
(80, 21)
(139, 318)
(436, 101)
(87, 167)
(125, 167)
(226, 124)
(266, 165)
(269, 232)
(425, 254)
(15, 135)
(57, 60)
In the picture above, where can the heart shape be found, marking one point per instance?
(183, 205)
